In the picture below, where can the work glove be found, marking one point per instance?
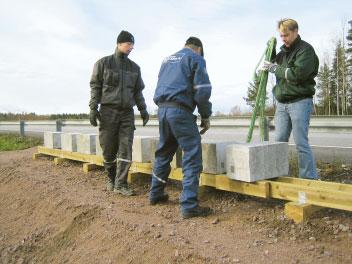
(93, 116)
(205, 124)
(268, 66)
(145, 117)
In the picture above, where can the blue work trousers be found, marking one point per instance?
(178, 127)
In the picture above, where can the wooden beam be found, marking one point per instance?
(87, 167)
(71, 155)
(300, 212)
(58, 161)
(37, 155)
(141, 167)
(310, 195)
(207, 179)
(333, 186)
(259, 188)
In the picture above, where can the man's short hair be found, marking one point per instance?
(287, 24)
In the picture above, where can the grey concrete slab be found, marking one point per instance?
(86, 143)
(214, 156)
(141, 148)
(52, 139)
(256, 161)
(98, 149)
(177, 159)
(69, 141)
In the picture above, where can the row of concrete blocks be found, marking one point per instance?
(246, 162)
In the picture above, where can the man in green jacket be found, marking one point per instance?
(295, 68)
(116, 85)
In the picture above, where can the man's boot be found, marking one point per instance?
(110, 183)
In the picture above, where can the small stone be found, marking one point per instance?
(177, 253)
(235, 260)
(344, 228)
(172, 233)
(215, 221)
(157, 236)
(311, 248)
(266, 252)
(312, 238)
(206, 241)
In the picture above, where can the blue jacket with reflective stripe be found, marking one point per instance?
(183, 79)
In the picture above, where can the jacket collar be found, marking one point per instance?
(294, 44)
(119, 55)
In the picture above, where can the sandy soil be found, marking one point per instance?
(58, 214)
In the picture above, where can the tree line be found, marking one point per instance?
(334, 81)
(34, 116)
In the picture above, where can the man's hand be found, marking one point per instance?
(145, 117)
(205, 124)
(93, 116)
(268, 66)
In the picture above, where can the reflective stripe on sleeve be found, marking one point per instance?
(196, 87)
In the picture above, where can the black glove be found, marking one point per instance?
(93, 116)
(145, 117)
(205, 124)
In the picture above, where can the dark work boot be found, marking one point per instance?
(123, 189)
(164, 197)
(110, 182)
(197, 212)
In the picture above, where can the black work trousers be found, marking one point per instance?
(116, 132)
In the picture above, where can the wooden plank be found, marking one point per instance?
(300, 212)
(176, 174)
(58, 161)
(141, 167)
(71, 155)
(334, 186)
(207, 179)
(87, 167)
(306, 194)
(37, 155)
(259, 188)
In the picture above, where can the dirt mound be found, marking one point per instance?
(58, 214)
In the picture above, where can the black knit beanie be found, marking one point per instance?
(125, 36)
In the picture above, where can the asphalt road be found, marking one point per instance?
(336, 138)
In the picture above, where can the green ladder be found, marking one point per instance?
(260, 84)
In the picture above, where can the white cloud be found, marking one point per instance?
(48, 48)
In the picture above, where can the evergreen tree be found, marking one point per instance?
(323, 90)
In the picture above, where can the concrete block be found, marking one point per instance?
(257, 161)
(98, 149)
(177, 159)
(214, 156)
(69, 141)
(86, 143)
(52, 140)
(141, 148)
(153, 147)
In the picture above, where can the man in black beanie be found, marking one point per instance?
(116, 85)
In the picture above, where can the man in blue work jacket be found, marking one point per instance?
(183, 84)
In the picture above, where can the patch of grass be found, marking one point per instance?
(15, 142)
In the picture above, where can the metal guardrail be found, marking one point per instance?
(317, 123)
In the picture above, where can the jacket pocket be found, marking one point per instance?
(111, 78)
(131, 79)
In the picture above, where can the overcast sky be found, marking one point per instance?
(48, 48)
